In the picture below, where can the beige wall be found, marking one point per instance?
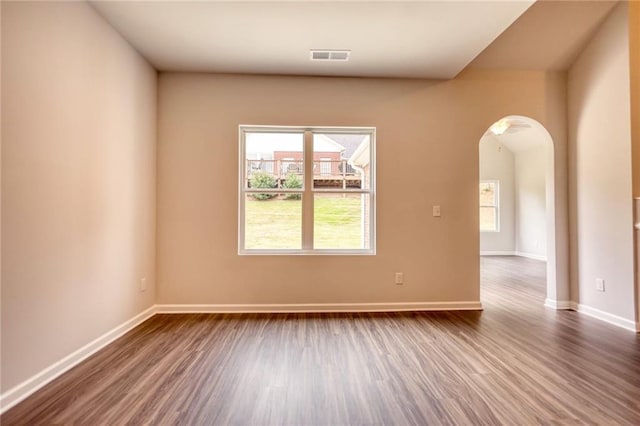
(600, 169)
(427, 133)
(530, 201)
(497, 162)
(634, 67)
(634, 62)
(556, 191)
(78, 183)
(0, 199)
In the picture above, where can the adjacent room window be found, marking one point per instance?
(307, 190)
(489, 202)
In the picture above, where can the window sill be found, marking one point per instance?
(371, 252)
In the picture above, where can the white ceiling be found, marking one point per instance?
(522, 134)
(523, 140)
(429, 39)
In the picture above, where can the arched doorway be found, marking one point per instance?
(517, 194)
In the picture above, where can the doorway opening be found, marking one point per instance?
(517, 205)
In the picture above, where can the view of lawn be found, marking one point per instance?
(277, 223)
(337, 222)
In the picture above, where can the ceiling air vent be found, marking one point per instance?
(330, 55)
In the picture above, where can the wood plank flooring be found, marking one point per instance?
(515, 363)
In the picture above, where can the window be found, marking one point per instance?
(489, 202)
(306, 190)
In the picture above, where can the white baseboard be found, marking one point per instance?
(531, 256)
(320, 307)
(607, 317)
(16, 394)
(514, 253)
(497, 253)
(559, 304)
(593, 313)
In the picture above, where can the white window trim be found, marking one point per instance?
(307, 190)
(496, 182)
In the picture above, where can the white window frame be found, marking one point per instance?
(307, 191)
(496, 207)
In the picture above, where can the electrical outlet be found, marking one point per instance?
(436, 211)
(599, 284)
(143, 284)
(399, 278)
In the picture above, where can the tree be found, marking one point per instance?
(263, 180)
(292, 181)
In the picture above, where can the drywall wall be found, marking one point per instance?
(634, 65)
(427, 151)
(497, 162)
(78, 183)
(634, 75)
(0, 200)
(530, 202)
(600, 170)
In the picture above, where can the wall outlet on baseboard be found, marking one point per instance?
(399, 278)
(599, 284)
(143, 284)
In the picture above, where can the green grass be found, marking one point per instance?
(277, 223)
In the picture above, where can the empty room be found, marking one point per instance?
(320, 213)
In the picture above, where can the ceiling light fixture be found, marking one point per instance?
(329, 55)
(499, 127)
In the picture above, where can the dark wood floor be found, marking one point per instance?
(516, 363)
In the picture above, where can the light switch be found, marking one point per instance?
(399, 278)
(436, 211)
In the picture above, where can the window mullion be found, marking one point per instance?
(307, 198)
